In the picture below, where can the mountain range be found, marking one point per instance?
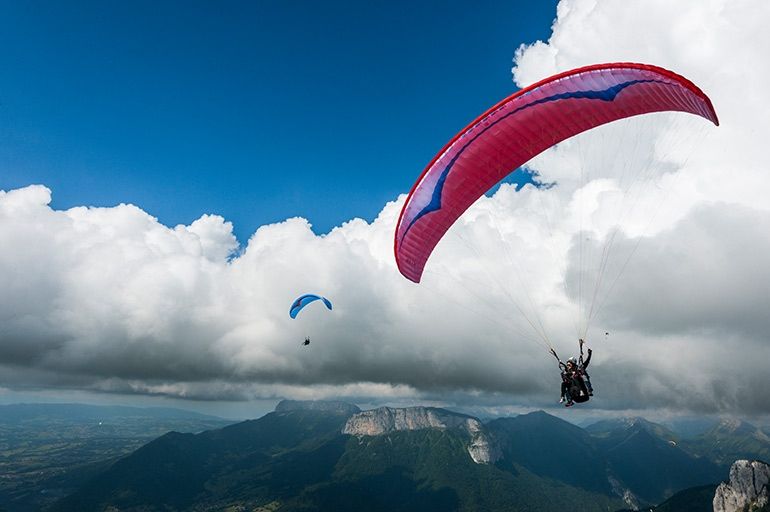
(324, 456)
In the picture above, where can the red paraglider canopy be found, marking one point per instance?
(520, 127)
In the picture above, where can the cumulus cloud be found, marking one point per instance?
(110, 300)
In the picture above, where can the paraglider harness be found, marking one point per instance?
(578, 383)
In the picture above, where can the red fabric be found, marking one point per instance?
(521, 126)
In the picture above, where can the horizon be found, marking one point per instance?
(582, 419)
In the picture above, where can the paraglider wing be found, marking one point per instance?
(303, 301)
(522, 126)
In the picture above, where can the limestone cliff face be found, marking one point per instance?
(748, 488)
(481, 448)
(319, 405)
(625, 494)
(386, 419)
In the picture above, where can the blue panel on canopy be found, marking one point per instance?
(303, 301)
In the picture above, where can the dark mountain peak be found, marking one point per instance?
(643, 437)
(537, 420)
(737, 430)
(646, 458)
(735, 427)
(548, 446)
(537, 414)
(540, 416)
(618, 423)
(331, 406)
(291, 424)
(732, 439)
(629, 425)
(653, 429)
(637, 421)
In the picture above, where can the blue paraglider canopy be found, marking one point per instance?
(302, 301)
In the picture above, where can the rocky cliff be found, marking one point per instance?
(481, 447)
(748, 488)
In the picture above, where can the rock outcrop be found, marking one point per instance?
(625, 494)
(481, 447)
(747, 490)
(343, 408)
(387, 419)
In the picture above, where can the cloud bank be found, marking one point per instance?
(110, 300)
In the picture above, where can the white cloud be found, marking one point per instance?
(109, 299)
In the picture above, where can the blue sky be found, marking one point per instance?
(256, 111)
